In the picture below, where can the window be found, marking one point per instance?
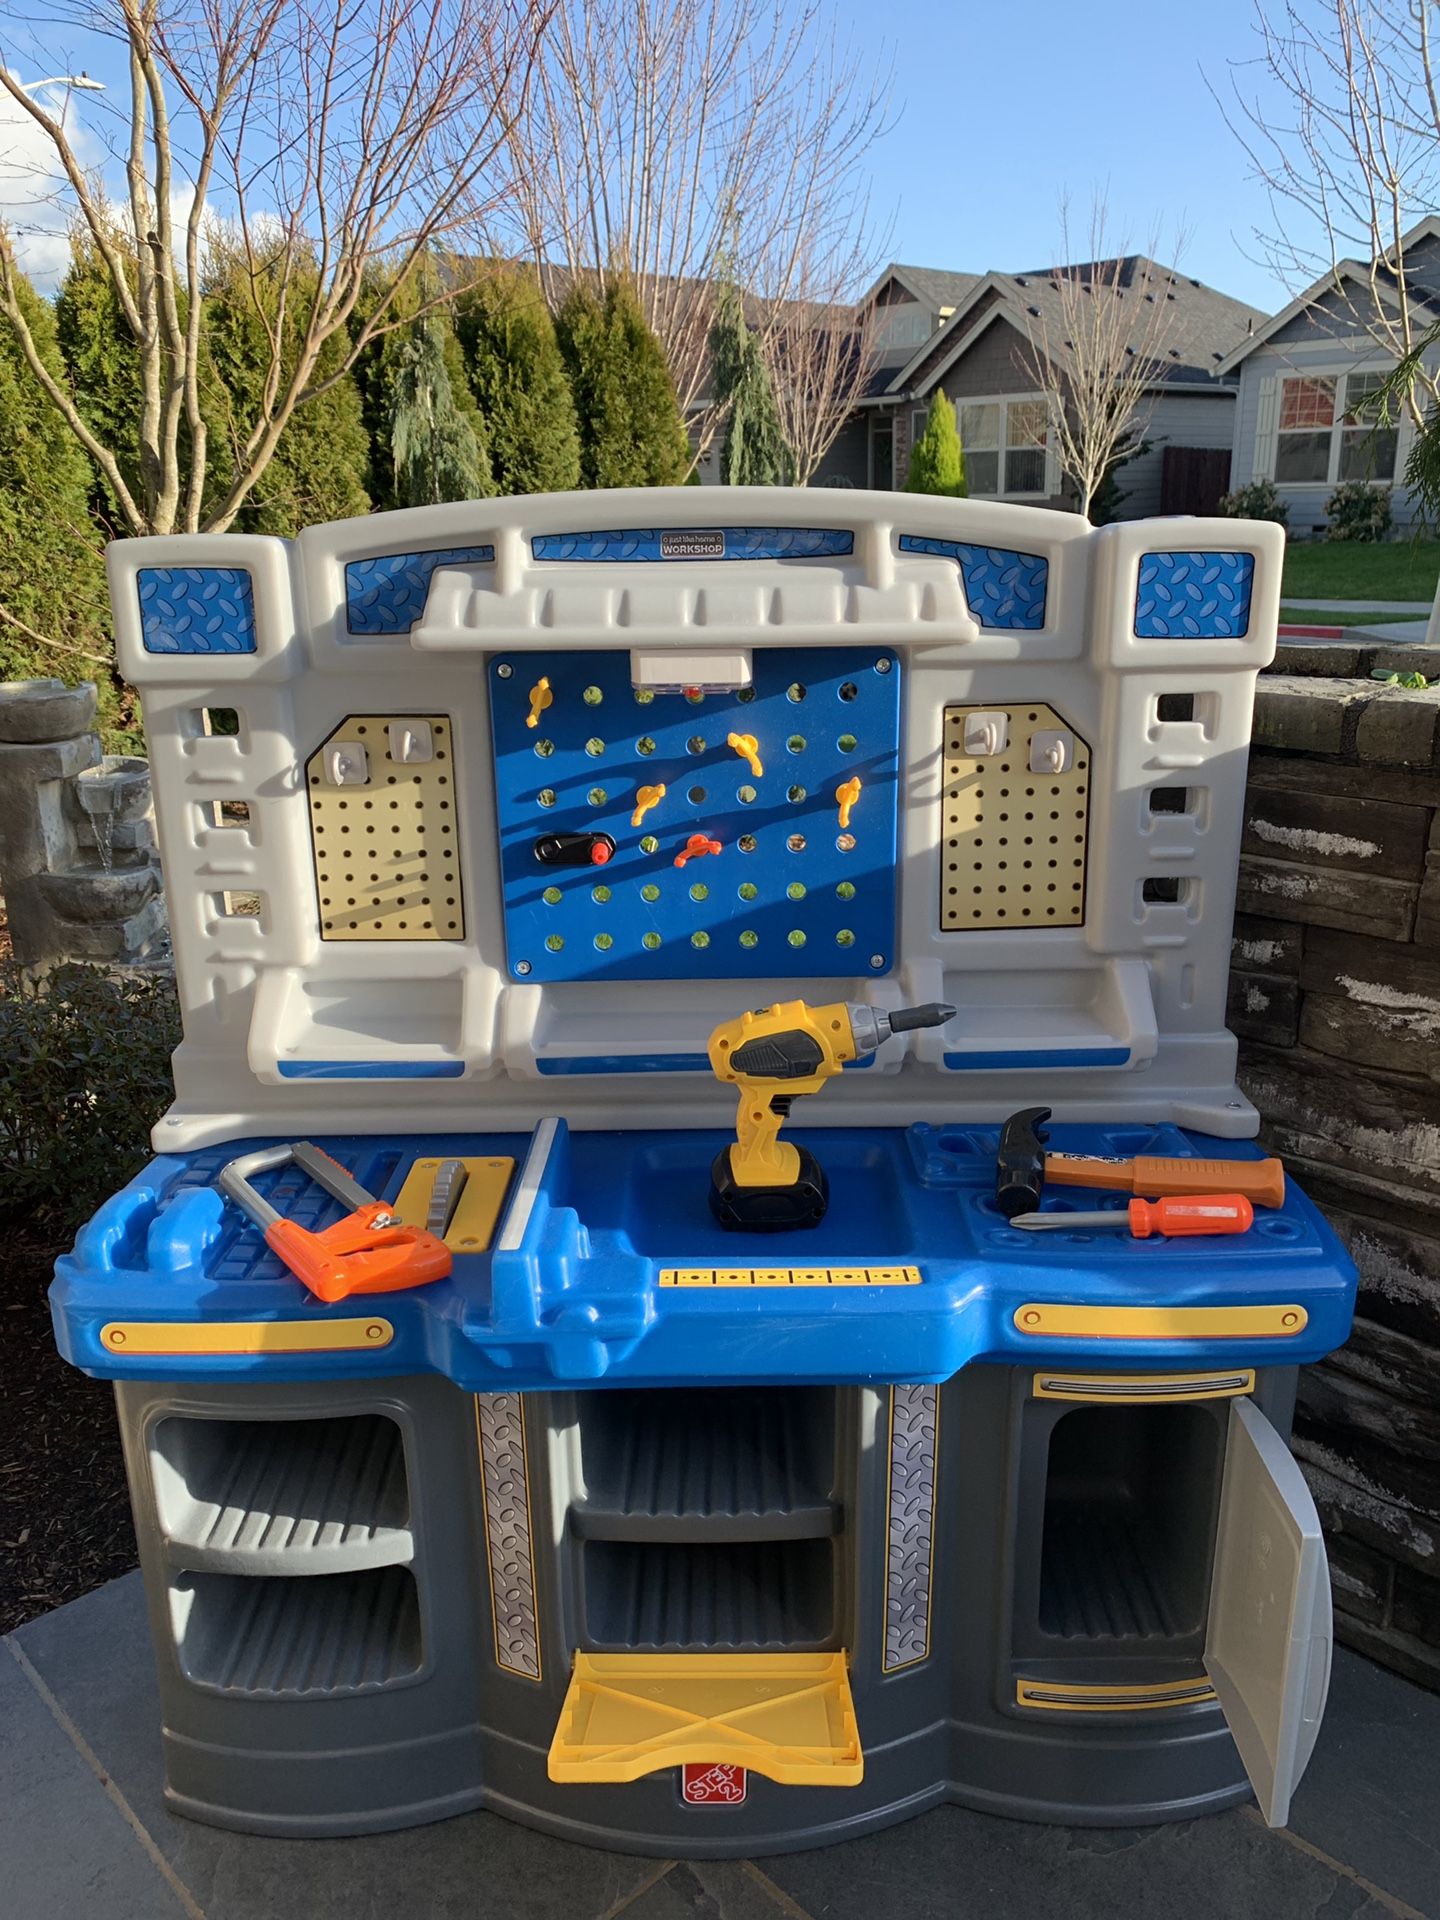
(905, 324)
(1328, 431)
(1005, 444)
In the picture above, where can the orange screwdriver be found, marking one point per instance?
(1175, 1218)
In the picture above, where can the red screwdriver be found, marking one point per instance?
(1174, 1218)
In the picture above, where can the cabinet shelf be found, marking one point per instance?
(708, 1466)
(291, 1638)
(282, 1496)
(727, 1595)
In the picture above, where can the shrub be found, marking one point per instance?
(84, 1075)
(937, 460)
(1357, 511)
(1258, 501)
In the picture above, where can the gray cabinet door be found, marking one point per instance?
(1267, 1646)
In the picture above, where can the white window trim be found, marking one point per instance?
(1004, 401)
(1341, 374)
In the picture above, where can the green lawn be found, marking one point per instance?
(1357, 570)
(1328, 617)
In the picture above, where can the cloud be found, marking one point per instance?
(35, 201)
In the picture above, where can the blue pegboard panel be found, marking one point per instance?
(196, 609)
(386, 593)
(790, 894)
(1194, 596)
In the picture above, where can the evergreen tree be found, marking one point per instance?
(518, 379)
(754, 453)
(937, 460)
(437, 445)
(631, 430)
(318, 469)
(52, 578)
(102, 361)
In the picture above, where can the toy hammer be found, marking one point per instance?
(1023, 1167)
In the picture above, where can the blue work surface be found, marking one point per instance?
(570, 1292)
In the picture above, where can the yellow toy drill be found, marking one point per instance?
(764, 1184)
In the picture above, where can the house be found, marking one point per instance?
(971, 334)
(1303, 416)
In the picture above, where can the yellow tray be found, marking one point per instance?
(786, 1715)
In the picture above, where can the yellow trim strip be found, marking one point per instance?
(1049, 1696)
(472, 1225)
(790, 1276)
(1142, 1389)
(1063, 1320)
(137, 1338)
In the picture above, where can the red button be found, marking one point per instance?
(599, 854)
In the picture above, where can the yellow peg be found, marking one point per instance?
(540, 699)
(748, 748)
(847, 794)
(645, 799)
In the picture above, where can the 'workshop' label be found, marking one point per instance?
(692, 543)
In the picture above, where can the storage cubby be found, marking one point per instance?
(645, 1596)
(292, 1638)
(1129, 1522)
(260, 1496)
(745, 1463)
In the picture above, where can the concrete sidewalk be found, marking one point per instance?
(84, 1834)
(1380, 608)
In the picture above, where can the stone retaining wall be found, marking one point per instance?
(1335, 993)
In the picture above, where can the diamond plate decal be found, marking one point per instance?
(196, 609)
(696, 543)
(910, 1524)
(386, 594)
(499, 1420)
(1194, 596)
(1003, 589)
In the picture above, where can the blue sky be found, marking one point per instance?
(997, 110)
(1002, 107)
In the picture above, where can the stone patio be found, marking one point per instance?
(84, 1834)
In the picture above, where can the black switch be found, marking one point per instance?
(574, 849)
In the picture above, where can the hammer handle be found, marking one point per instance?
(1153, 1175)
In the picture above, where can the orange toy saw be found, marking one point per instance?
(369, 1251)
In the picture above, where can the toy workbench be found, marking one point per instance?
(514, 1417)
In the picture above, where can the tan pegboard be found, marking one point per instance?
(387, 854)
(1014, 842)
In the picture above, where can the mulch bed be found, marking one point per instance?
(64, 1510)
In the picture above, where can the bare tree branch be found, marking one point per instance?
(1096, 338)
(1339, 114)
(668, 140)
(333, 136)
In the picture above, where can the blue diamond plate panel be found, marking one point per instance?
(1004, 589)
(386, 594)
(196, 609)
(697, 543)
(1194, 596)
(791, 894)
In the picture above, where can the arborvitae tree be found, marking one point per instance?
(754, 453)
(102, 361)
(519, 381)
(318, 468)
(54, 615)
(937, 460)
(438, 449)
(631, 432)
